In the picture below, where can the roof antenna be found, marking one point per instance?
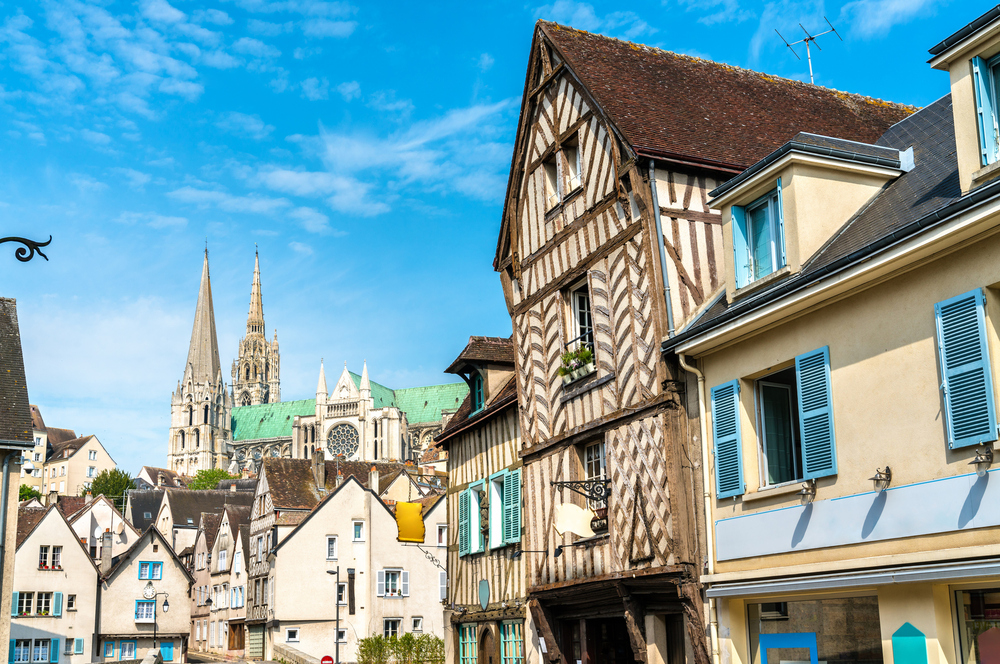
(810, 38)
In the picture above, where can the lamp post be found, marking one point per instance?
(336, 601)
(149, 592)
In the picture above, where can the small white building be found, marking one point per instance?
(54, 599)
(144, 597)
(98, 517)
(385, 587)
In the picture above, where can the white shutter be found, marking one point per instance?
(443, 583)
(404, 581)
(380, 583)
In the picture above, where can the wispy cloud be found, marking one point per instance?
(315, 89)
(624, 24)
(323, 27)
(349, 90)
(136, 179)
(718, 11)
(385, 101)
(86, 184)
(95, 137)
(255, 47)
(485, 62)
(228, 202)
(300, 248)
(875, 18)
(152, 219)
(241, 124)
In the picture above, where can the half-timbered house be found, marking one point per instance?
(607, 247)
(486, 595)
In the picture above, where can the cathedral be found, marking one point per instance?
(236, 427)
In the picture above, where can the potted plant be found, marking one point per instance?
(576, 364)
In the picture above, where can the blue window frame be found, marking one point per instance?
(150, 570)
(986, 81)
(109, 648)
(477, 393)
(468, 647)
(126, 650)
(512, 643)
(758, 237)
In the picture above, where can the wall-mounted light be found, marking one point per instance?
(983, 460)
(516, 553)
(808, 491)
(882, 479)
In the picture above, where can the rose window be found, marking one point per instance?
(342, 439)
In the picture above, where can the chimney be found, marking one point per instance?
(53, 498)
(88, 497)
(106, 551)
(373, 479)
(232, 487)
(319, 468)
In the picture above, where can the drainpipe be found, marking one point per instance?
(663, 249)
(713, 612)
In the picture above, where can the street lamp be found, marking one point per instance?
(149, 592)
(336, 600)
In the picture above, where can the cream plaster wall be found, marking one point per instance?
(77, 577)
(202, 578)
(886, 399)
(101, 516)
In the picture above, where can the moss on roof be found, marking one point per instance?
(269, 420)
(424, 404)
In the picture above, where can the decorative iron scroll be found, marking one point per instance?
(597, 489)
(30, 248)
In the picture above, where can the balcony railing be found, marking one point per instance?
(342, 409)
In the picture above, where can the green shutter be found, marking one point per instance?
(464, 501)
(726, 434)
(57, 605)
(54, 651)
(78, 646)
(512, 506)
(985, 111)
(741, 246)
(13, 603)
(967, 378)
(780, 239)
(13, 643)
(819, 449)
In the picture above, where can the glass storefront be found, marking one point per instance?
(843, 630)
(979, 625)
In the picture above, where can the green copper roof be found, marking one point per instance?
(381, 395)
(424, 404)
(269, 420)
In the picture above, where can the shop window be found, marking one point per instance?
(979, 625)
(512, 643)
(842, 630)
(468, 648)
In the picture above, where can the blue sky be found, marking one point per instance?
(363, 147)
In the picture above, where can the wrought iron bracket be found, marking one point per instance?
(597, 489)
(429, 556)
(30, 248)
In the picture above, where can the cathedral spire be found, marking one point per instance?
(365, 387)
(321, 385)
(255, 321)
(203, 354)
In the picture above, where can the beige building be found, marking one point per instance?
(144, 592)
(72, 465)
(55, 594)
(385, 587)
(227, 583)
(201, 572)
(848, 388)
(482, 444)
(45, 438)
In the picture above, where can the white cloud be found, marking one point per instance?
(301, 53)
(86, 184)
(214, 16)
(385, 101)
(485, 62)
(136, 179)
(242, 124)
(219, 59)
(267, 29)
(322, 27)
(875, 18)
(162, 11)
(717, 11)
(784, 16)
(255, 48)
(303, 249)
(151, 219)
(349, 90)
(315, 89)
(581, 15)
(95, 137)
(312, 220)
(342, 192)
(229, 203)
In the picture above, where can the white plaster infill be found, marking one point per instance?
(962, 502)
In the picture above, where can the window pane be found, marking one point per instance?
(760, 241)
(776, 412)
(846, 631)
(979, 625)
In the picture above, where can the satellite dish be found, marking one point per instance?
(121, 527)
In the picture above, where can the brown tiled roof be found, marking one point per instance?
(210, 522)
(15, 411)
(59, 436)
(504, 398)
(68, 448)
(186, 506)
(486, 350)
(433, 453)
(290, 518)
(292, 486)
(70, 505)
(238, 515)
(37, 423)
(27, 519)
(681, 107)
(170, 478)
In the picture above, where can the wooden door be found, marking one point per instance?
(487, 648)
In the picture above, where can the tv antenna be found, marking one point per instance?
(810, 38)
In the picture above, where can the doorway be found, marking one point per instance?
(487, 648)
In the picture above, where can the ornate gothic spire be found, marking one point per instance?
(255, 321)
(203, 354)
(321, 385)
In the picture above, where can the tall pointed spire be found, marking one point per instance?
(321, 385)
(255, 321)
(365, 387)
(203, 354)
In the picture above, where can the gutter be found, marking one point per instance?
(955, 38)
(983, 194)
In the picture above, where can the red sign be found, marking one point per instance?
(327, 660)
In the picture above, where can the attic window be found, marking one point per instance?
(147, 515)
(190, 521)
(986, 75)
(572, 153)
(758, 237)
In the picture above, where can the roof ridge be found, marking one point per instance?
(693, 58)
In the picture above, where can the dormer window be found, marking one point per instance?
(986, 75)
(477, 393)
(758, 238)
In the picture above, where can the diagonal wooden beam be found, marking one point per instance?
(541, 618)
(635, 620)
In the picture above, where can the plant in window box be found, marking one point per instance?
(576, 364)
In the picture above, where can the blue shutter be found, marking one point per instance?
(726, 432)
(57, 605)
(463, 522)
(985, 111)
(54, 651)
(167, 651)
(13, 605)
(780, 239)
(741, 246)
(10, 658)
(967, 378)
(77, 646)
(512, 506)
(819, 448)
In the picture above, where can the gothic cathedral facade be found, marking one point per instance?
(256, 372)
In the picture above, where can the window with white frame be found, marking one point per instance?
(68, 646)
(127, 650)
(92, 455)
(392, 583)
(145, 610)
(223, 555)
(581, 322)
(341, 593)
(495, 505)
(390, 627)
(358, 528)
(331, 547)
(291, 635)
(553, 188)
(43, 557)
(43, 604)
(417, 624)
(91, 471)
(594, 467)
(442, 534)
(71, 602)
(25, 602)
(342, 635)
